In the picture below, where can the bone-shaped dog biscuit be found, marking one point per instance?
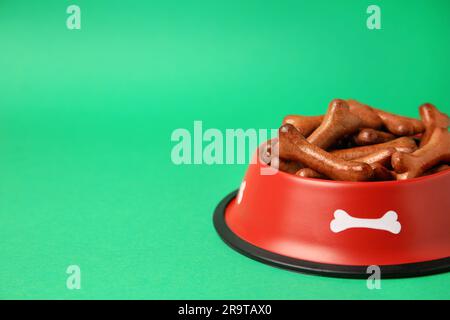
(293, 146)
(305, 124)
(368, 136)
(432, 119)
(435, 152)
(376, 160)
(309, 173)
(337, 123)
(343, 221)
(403, 144)
(369, 117)
(356, 142)
(399, 125)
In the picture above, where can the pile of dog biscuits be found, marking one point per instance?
(356, 142)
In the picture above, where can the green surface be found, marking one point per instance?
(86, 117)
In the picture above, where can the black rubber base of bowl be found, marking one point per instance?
(303, 266)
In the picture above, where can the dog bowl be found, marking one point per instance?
(339, 228)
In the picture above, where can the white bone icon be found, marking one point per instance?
(343, 221)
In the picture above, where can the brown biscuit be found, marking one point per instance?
(369, 118)
(289, 166)
(381, 173)
(268, 154)
(400, 125)
(294, 146)
(377, 161)
(437, 169)
(432, 118)
(435, 152)
(368, 136)
(305, 124)
(404, 144)
(382, 157)
(309, 173)
(338, 122)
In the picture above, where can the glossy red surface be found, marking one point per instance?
(291, 216)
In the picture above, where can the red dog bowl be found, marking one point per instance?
(340, 228)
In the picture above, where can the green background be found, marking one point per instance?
(86, 117)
